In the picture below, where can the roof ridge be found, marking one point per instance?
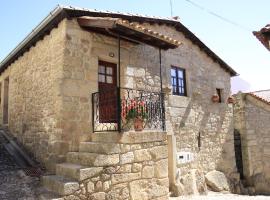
(118, 12)
(266, 90)
(259, 98)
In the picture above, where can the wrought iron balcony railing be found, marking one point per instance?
(117, 108)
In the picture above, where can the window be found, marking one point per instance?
(219, 93)
(178, 79)
(105, 74)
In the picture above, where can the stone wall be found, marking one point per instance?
(142, 173)
(206, 131)
(187, 117)
(252, 121)
(119, 170)
(34, 100)
(59, 113)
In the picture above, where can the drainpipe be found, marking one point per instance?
(161, 91)
(119, 85)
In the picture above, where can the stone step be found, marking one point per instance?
(130, 137)
(92, 159)
(60, 185)
(49, 195)
(76, 171)
(98, 147)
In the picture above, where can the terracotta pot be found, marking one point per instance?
(215, 98)
(138, 124)
(230, 100)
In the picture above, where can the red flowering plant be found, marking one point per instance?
(134, 109)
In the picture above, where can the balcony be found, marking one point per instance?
(117, 109)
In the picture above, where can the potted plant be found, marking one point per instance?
(215, 98)
(135, 111)
(230, 100)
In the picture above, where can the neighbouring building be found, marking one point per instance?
(252, 116)
(263, 36)
(75, 91)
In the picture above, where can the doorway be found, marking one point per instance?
(238, 153)
(5, 105)
(107, 87)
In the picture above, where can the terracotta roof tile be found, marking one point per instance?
(262, 95)
(263, 36)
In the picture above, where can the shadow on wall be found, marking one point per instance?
(206, 130)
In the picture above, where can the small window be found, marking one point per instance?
(105, 74)
(219, 93)
(178, 81)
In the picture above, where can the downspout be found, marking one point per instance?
(161, 93)
(119, 86)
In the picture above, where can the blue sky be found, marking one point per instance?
(235, 45)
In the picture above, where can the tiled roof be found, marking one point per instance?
(61, 12)
(262, 95)
(263, 36)
(129, 30)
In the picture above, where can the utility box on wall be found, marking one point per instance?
(184, 157)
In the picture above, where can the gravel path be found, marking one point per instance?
(14, 184)
(220, 196)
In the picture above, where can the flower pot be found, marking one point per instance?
(138, 124)
(230, 100)
(215, 98)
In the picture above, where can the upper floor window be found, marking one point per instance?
(178, 80)
(220, 94)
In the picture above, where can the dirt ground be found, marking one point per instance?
(219, 196)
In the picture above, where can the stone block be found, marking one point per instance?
(161, 168)
(217, 181)
(98, 196)
(178, 101)
(76, 171)
(121, 178)
(159, 152)
(90, 187)
(60, 185)
(136, 167)
(127, 158)
(98, 147)
(194, 183)
(148, 172)
(147, 189)
(89, 159)
(130, 70)
(142, 155)
(124, 169)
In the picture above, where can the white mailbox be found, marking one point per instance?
(184, 157)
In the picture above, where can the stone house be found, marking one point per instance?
(252, 115)
(263, 36)
(75, 90)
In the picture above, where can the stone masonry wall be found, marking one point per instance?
(131, 171)
(206, 131)
(188, 116)
(252, 121)
(140, 70)
(60, 113)
(34, 100)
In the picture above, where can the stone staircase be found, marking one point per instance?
(84, 164)
(112, 166)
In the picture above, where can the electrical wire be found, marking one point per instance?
(219, 16)
(171, 8)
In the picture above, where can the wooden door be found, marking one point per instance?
(107, 87)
